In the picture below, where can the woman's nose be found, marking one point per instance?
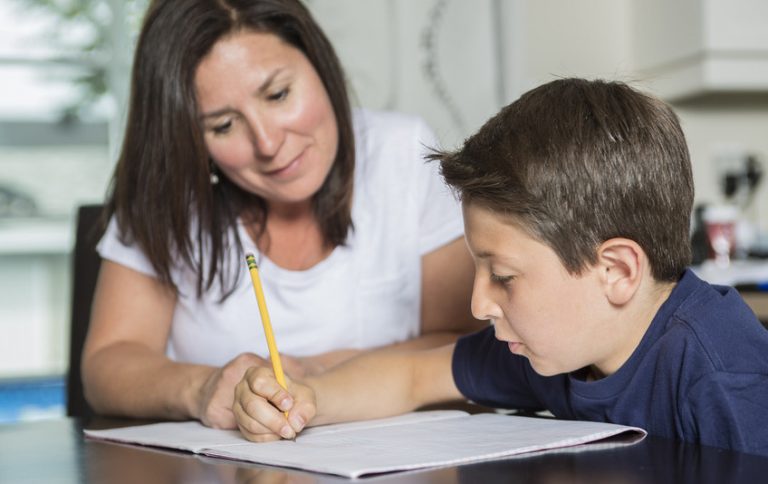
(267, 136)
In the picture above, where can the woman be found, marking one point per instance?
(240, 139)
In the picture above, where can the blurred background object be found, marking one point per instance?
(720, 223)
(65, 73)
(14, 203)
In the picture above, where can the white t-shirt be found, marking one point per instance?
(364, 294)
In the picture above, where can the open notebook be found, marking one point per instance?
(412, 441)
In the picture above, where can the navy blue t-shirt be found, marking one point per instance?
(699, 374)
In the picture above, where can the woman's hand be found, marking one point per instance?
(261, 405)
(214, 408)
(217, 393)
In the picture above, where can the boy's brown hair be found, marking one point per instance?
(576, 162)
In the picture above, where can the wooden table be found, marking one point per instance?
(758, 301)
(55, 451)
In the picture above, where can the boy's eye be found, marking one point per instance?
(279, 95)
(505, 280)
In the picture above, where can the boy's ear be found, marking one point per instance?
(620, 263)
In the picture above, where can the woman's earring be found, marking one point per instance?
(214, 176)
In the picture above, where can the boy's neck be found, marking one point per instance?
(636, 319)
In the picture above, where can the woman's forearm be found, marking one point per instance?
(128, 379)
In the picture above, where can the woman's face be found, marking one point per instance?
(268, 122)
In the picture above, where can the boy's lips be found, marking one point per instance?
(514, 346)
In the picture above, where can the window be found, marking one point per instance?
(60, 119)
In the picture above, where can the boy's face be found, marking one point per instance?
(556, 320)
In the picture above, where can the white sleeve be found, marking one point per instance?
(111, 248)
(439, 210)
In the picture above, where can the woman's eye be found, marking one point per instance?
(222, 128)
(279, 95)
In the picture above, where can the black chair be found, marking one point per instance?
(85, 270)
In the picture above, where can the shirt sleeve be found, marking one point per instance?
(729, 410)
(440, 211)
(487, 373)
(111, 248)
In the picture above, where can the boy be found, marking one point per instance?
(576, 202)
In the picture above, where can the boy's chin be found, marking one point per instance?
(541, 367)
(546, 369)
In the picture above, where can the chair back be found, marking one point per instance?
(85, 270)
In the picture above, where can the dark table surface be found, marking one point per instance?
(55, 451)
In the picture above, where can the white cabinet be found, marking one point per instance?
(689, 48)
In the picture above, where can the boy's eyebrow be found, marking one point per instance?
(484, 254)
(260, 90)
(505, 258)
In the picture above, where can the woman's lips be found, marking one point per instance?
(288, 169)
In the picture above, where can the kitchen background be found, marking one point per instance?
(64, 71)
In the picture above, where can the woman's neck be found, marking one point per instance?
(292, 238)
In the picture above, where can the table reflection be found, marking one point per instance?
(57, 452)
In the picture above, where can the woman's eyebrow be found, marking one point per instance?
(263, 87)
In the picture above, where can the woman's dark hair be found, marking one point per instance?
(161, 193)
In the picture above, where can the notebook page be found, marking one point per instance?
(189, 436)
(425, 444)
(194, 437)
(405, 419)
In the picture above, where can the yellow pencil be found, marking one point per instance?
(274, 356)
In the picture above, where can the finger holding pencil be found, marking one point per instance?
(261, 392)
(259, 399)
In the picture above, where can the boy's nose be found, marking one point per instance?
(483, 307)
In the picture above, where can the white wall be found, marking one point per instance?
(434, 58)
(585, 38)
(488, 52)
(594, 38)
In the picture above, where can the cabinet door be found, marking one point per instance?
(690, 48)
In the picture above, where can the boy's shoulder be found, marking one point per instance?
(714, 323)
(712, 359)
